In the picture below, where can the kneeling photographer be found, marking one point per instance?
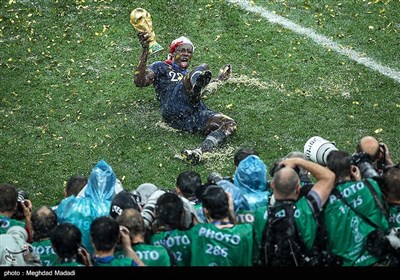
(382, 243)
(15, 209)
(355, 209)
(378, 152)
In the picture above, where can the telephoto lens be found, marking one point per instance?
(214, 177)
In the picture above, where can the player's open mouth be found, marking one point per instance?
(184, 62)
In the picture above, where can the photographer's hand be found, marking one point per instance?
(289, 162)
(325, 177)
(125, 238)
(27, 209)
(388, 158)
(355, 173)
(84, 256)
(127, 246)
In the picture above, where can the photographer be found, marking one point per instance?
(12, 202)
(305, 181)
(388, 243)
(235, 249)
(378, 152)
(44, 221)
(292, 226)
(105, 233)
(391, 189)
(169, 227)
(66, 241)
(151, 255)
(354, 210)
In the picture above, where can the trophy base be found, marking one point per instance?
(155, 48)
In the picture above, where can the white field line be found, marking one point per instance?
(319, 39)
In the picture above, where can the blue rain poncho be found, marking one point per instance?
(239, 200)
(81, 211)
(251, 178)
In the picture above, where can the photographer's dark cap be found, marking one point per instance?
(123, 200)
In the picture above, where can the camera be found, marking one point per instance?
(22, 195)
(215, 177)
(364, 163)
(19, 212)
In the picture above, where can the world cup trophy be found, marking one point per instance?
(141, 21)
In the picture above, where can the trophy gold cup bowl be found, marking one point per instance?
(141, 21)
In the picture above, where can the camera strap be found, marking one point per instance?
(376, 198)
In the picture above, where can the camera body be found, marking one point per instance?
(364, 163)
(22, 195)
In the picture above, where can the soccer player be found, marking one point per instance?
(179, 93)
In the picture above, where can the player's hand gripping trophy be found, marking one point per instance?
(141, 21)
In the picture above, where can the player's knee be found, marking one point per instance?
(229, 126)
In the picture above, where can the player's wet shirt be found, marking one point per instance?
(176, 108)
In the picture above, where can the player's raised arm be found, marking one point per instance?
(143, 77)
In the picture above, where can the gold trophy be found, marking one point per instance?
(141, 21)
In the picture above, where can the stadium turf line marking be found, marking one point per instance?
(319, 39)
